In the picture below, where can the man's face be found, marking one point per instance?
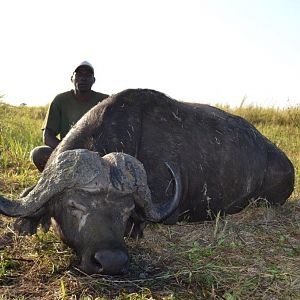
(83, 79)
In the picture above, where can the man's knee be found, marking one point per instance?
(39, 156)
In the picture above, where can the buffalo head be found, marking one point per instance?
(90, 199)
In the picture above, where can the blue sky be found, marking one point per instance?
(220, 51)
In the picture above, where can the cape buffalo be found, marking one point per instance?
(146, 157)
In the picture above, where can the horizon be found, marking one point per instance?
(243, 104)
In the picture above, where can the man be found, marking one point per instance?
(65, 110)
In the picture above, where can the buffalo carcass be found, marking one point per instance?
(183, 161)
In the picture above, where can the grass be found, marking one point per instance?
(19, 133)
(251, 255)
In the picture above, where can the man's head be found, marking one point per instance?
(83, 77)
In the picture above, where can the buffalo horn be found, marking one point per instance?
(73, 168)
(157, 212)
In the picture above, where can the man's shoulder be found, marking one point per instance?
(100, 96)
(62, 98)
(64, 95)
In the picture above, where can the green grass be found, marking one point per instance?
(20, 131)
(251, 255)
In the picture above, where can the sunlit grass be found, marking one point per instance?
(20, 132)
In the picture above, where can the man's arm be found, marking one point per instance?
(50, 139)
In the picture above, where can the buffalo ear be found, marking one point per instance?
(29, 225)
(26, 226)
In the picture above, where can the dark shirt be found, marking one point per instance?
(65, 110)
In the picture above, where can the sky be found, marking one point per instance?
(228, 52)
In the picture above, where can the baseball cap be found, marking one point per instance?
(85, 64)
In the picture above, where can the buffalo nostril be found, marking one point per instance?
(112, 261)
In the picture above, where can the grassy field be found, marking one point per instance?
(251, 255)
